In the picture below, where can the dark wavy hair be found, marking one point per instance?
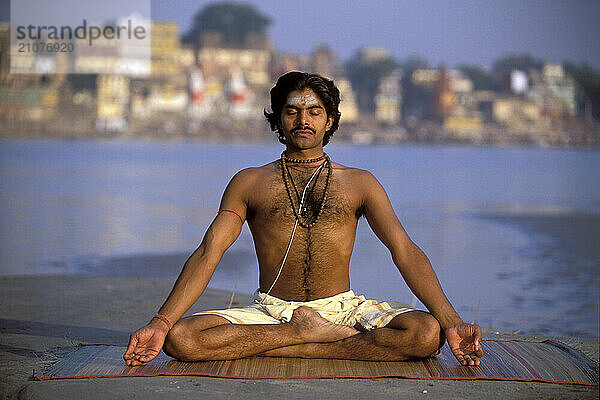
(295, 80)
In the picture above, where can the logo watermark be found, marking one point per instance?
(80, 37)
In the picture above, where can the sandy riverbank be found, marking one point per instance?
(45, 317)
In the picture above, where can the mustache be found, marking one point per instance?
(303, 128)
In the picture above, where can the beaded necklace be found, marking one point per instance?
(308, 161)
(304, 209)
(302, 217)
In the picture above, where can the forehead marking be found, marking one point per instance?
(303, 100)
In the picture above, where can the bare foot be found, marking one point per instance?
(314, 328)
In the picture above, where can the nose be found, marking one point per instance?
(302, 119)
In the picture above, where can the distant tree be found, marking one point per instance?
(233, 20)
(524, 62)
(365, 76)
(413, 63)
(482, 79)
(505, 65)
(589, 88)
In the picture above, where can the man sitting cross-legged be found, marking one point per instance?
(303, 210)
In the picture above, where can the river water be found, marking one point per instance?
(513, 233)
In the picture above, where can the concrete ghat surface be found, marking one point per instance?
(43, 318)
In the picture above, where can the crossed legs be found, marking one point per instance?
(411, 335)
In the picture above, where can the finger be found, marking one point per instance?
(478, 348)
(131, 360)
(459, 354)
(478, 351)
(133, 363)
(136, 360)
(455, 349)
(477, 342)
(133, 341)
(146, 358)
(460, 359)
(477, 334)
(130, 356)
(475, 358)
(469, 360)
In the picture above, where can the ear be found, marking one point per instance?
(328, 124)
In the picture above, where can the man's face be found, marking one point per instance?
(304, 120)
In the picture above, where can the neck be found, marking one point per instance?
(307, 154)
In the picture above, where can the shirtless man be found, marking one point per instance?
(303, 212)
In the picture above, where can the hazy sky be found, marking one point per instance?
(442, 31)
(450, 32)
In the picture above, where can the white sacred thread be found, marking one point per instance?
(294, 230)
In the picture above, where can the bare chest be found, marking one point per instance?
(329, 203)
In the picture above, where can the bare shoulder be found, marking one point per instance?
(250, 176)
(359, 178)
(242, 186)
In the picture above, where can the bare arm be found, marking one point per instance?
(412, 263)
(145, 343)
(416, 268)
